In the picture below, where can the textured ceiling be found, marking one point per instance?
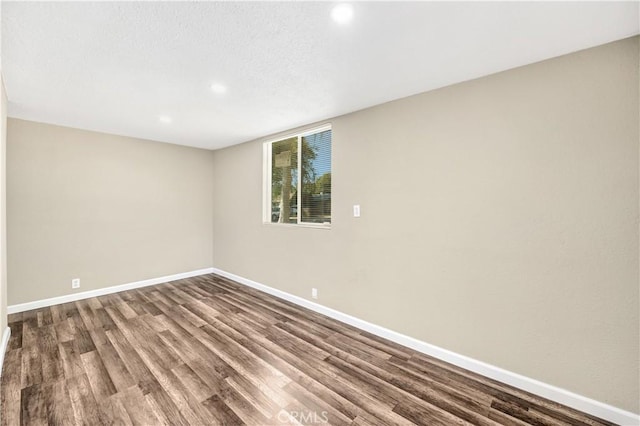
(117, 66)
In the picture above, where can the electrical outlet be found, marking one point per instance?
(75, 283)
(314, 293)
(356, 210)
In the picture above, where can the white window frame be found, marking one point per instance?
(266, 179)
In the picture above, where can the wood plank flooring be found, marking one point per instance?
(206, 351)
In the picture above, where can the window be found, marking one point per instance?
(298, 179)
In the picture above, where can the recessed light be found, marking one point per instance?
(218, 88)
(342, 13)
(165, 119)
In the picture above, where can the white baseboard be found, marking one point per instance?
(3, 346)
(102, 291)
(559, 395)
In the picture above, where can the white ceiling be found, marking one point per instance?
(116, 67)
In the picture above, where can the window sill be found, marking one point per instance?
(299, 225)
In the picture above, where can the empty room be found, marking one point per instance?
(320, 213)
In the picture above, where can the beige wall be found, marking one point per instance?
(499, 221)
(3, 207)
(106, 209)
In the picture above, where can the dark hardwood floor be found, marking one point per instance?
(206, 350)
